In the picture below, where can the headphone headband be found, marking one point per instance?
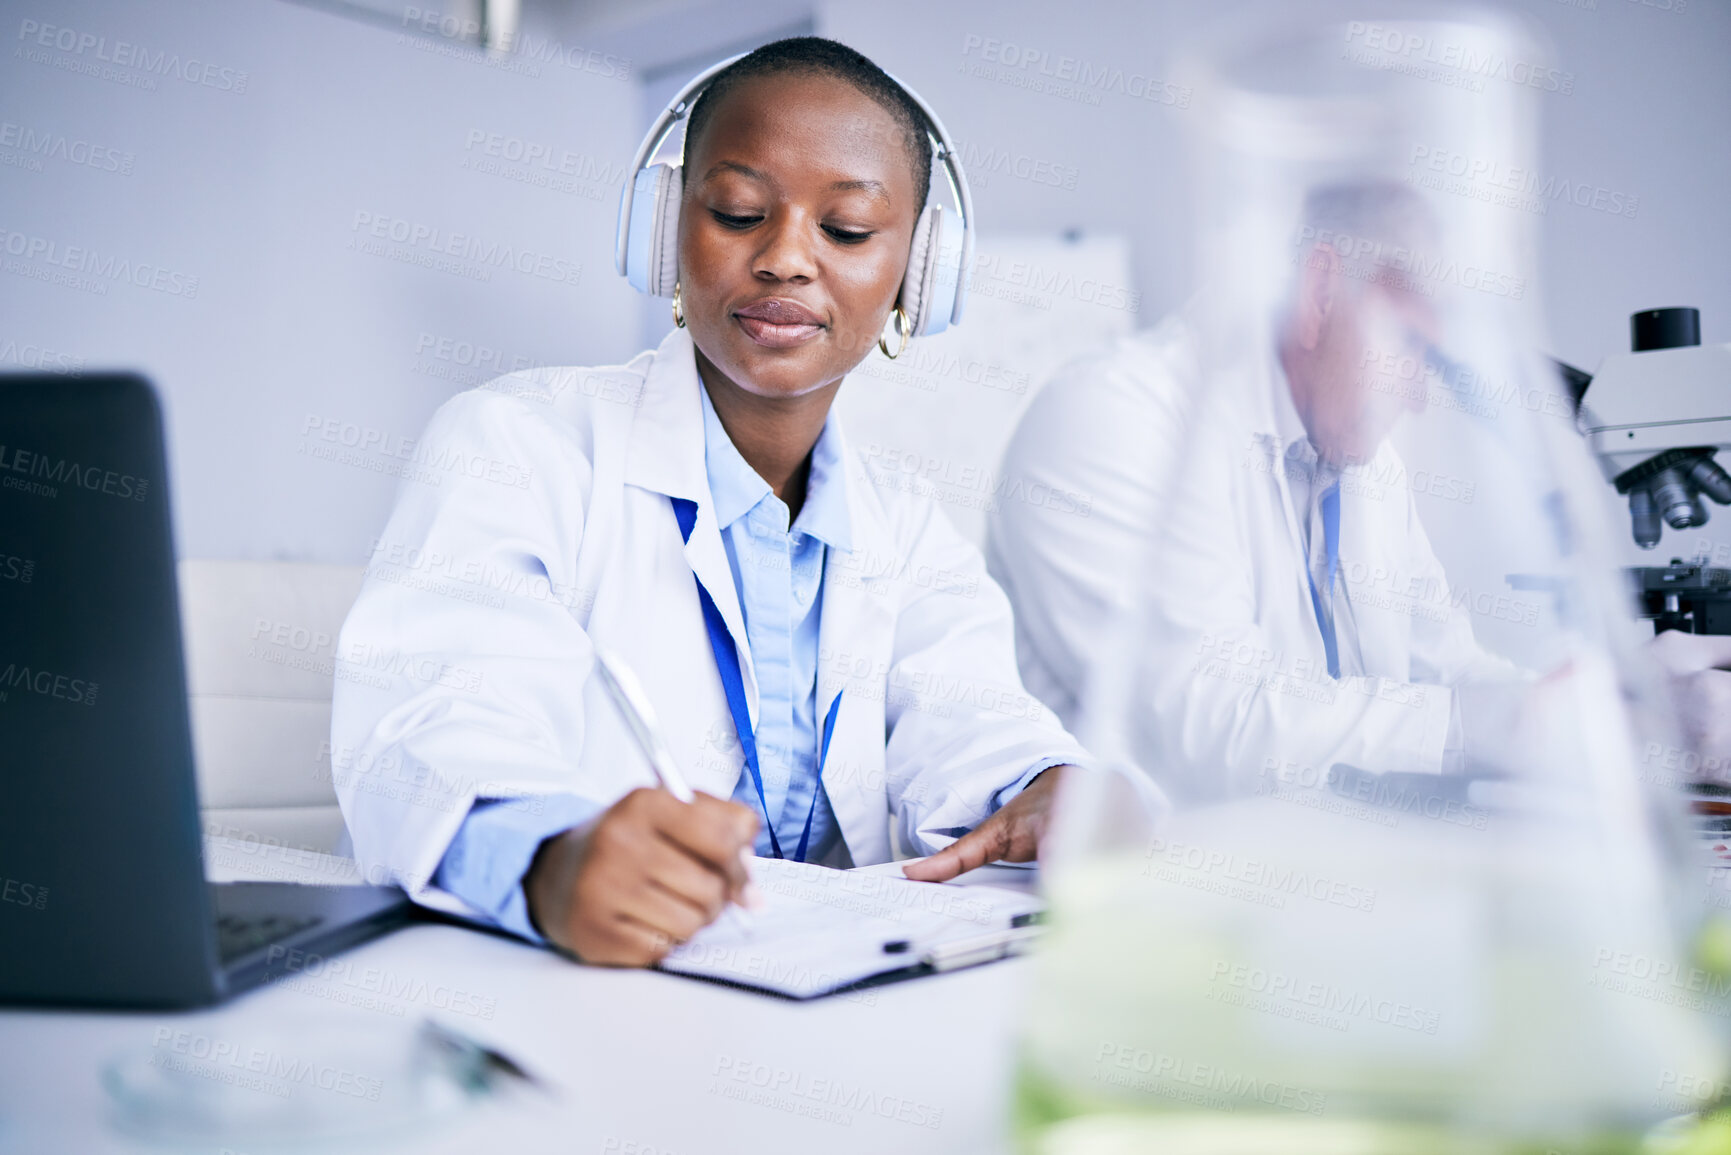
(677, 110)
(680, 107)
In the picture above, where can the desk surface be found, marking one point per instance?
(642, 1062)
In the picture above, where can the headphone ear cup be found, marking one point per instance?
(652, 241)
(917, 285)
(664, 246)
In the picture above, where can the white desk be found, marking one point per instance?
(644, 1062)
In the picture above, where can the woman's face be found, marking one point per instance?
(794, 232)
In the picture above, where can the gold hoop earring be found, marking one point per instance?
(904, 329)
(679, 309)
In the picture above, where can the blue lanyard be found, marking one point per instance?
(733, 682)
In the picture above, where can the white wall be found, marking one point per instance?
(1646, 128)
(1649, 117)
(256, 194)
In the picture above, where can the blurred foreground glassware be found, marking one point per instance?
(1440, 902)
(299, 1086)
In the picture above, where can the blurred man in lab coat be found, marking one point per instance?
(1295, 608)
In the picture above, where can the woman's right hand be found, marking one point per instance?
(650, 872)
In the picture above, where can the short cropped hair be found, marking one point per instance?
(1370, 225)
(815, 56)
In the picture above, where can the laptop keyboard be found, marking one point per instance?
(237, 934)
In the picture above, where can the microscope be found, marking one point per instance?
(1655, 417)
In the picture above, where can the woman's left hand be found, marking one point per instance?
(1013, 834)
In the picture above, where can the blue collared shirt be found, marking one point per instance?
(778, 573)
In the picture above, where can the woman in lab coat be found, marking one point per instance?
(695, 509)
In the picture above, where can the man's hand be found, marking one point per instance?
(646, 875)
(1700, 688)
(1011, 835)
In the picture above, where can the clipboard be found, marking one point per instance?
(823, 931)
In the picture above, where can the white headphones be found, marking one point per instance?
(646, 250)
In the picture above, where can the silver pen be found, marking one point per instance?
(639, 714)
(982, 948)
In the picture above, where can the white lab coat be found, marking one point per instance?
(1192, 646)
(541, 526)
(1109, 426)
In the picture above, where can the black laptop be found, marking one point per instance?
(103, 898)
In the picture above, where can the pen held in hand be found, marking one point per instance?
(634, 706)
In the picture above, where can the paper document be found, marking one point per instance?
(822, 929)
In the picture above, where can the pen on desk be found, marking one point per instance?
(634, 707)
(982, 948)
(477, 1068)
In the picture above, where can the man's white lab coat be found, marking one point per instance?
(1197, 604)
(538, 524)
